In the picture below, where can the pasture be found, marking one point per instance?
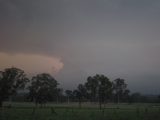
(27, 111)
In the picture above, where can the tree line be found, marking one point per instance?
(43, 88)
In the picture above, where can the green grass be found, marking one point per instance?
(27, 111)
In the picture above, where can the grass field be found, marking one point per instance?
(27, 111)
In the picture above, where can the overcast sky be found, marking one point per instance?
(72, 39)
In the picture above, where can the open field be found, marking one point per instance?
(27, 111)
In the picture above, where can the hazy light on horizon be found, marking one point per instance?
(32, 64)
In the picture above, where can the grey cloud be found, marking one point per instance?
(115, 37)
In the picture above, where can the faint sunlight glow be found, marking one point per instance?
(31, 63)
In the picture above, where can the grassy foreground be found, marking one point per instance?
(62, 112)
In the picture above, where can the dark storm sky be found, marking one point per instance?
(73, 39)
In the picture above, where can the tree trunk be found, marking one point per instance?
(68, 100)
(118, 99)
(100, 105)
(104, 104)
(1, 103)
(80, 103)
(57, 100)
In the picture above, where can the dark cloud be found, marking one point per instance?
(114, 37)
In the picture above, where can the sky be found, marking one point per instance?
(74, 39)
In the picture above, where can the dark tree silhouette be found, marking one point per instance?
(158, 98)
(69, 95)
(11, 79)
(99, 86)
(92, 87)
(80, 93)
(136, 97)
(43, 88)
(104, 89)
(126, 95)
(78, 96)
(119, 87)
(59, 94)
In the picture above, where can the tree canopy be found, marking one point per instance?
(11, 79)
(43, 87)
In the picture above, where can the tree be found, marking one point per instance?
(99, 86)
(80, 93)
(59, 94)
(43, 88)
(69, 95)
(77, 95)
(92, 87)
(119, 87)
(104, 89)
(11, 80)
(136, 97)
(158, 98)
(126, 95)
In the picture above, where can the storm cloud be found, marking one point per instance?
(118, 38)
